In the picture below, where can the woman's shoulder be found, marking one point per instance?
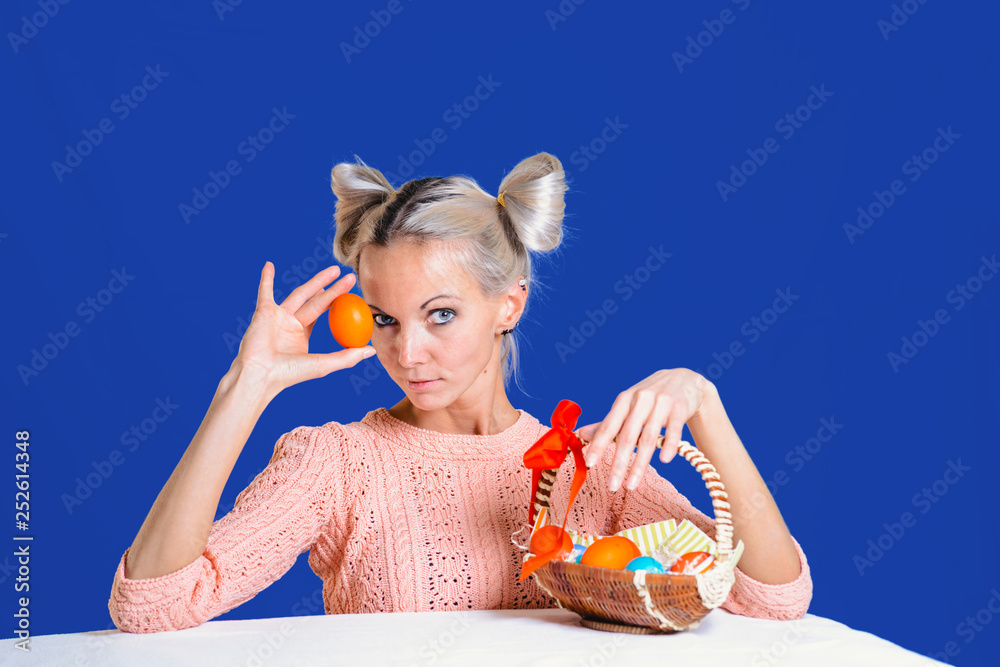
(340, 429)
(370, 426)
(345, 440)
(340, 444)
(331, 440)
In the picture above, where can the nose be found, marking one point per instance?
(412, 346)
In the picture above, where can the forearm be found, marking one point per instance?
(177, 527)
(770, 556)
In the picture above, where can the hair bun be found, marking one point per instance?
(358, 188)
(533, 197)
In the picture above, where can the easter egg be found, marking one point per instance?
(550, 539)
(351, 320)
(694, 562)
(614, 552)
(645, 564)
(577, 553)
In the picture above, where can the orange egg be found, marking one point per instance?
(351, 320)
(694, 562)
(614, 552)
(550, 538)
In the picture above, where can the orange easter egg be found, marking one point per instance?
(694, 562)
(614, 552)
(351, 320)
(550, 538)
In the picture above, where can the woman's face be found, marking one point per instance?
(431, 323)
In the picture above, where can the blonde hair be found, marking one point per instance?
(493, 243)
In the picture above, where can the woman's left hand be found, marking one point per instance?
(666, 398)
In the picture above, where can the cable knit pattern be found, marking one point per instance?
(247, 549)
(399, 518)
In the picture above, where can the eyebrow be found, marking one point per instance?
(439, 296)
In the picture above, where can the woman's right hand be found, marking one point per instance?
(276, 344)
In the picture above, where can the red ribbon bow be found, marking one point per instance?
(548, 453)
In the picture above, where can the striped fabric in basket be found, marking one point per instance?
(662, 535)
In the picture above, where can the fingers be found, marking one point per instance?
(675, 428)
(312, 366)
(608, 429)
(321, 301)
(265, 291)
(303, 292)
(634, 424)
(587, 432)
(647, 442)
(643, 404)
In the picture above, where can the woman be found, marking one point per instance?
(413, 507)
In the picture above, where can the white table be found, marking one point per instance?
(546, 637)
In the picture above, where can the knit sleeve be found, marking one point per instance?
(656, 499)
(273, 520)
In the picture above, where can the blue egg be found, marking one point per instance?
(577, 554)
(646, 564)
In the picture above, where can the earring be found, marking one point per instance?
(507, 331)
(521, 283)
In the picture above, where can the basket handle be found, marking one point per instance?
(694, 456)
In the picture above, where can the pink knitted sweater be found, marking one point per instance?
(399, 518)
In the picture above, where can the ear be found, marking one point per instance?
(514, 304)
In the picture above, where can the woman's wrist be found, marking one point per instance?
(711, 404)
(249, 381)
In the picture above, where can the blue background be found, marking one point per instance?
(172, 332)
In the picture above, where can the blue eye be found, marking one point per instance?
(385, 324)
(445, 310)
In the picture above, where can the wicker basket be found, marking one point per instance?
(641, 602)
